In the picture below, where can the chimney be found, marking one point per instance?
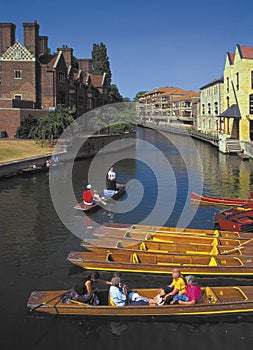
(85, 65)
(67, 53)
(7, 36)
(43, 46)
(31, 37)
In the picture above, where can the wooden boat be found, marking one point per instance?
(145, 262)
(121, 189)
(170, 247)
(31, 170)
(211, 237)
(219, 200)
(237, 218)
(218, 302)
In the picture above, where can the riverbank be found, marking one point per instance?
(13, 150)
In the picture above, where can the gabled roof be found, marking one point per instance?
(245, 51)
(213, 82)
(97, 80)
(231, 57)
(232, 112)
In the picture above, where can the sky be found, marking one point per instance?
(149, 44)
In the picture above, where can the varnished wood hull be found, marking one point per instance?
(239, 218)
(96, 206)
(230, 301)
(218, 200)
(143, 262)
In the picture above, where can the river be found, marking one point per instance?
(160, 172)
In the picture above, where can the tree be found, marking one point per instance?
(100, 61)
(25, 130)
(138, 95)
(52, 124)
(113, 91)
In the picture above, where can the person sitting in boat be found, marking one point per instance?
(34, 166)
(177, 286)
(48, 163)
(88, 196)
(85, 290)
(111, 179)
(119, 295)
(118, 292)
(193, 294)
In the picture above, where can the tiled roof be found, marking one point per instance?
(165, 90)
(231, 57)
(97, 80)
(246, 51)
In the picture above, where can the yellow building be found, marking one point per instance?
(236, 122)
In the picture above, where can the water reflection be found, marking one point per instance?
(34, 245)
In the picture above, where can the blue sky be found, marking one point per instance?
(163, 43)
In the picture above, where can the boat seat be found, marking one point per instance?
(209, 296)
(110, 301)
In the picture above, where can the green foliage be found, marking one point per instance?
(138, 95)
(113, 91)
(120, 128)
(113, 114)
(100, 61)
(25, 130)
(52, 124)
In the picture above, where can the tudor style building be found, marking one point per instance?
(33, 81)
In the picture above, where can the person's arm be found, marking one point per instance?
(88, 286)
(190, 302)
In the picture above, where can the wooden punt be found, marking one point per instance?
(229, 238)
(145, 262)
(218, 302)
(170, 247)
(88, 208)
(238, 218)
(219, 200)
(31, 171)
(167, 231)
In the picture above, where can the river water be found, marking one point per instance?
(160, 173)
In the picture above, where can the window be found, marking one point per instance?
(203, 109)
(227, 102)
(209, 108)
(237, 81)
(216, 107)
(227, 84)
(17, 74)
(251, 104)
(62, 77)
(18, 97)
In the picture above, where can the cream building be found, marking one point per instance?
(211, 105)
(237, 118)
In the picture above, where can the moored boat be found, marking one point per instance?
(121, 189)
(218, 302)
(219, 200)
(238, 218)
(37, 169)
(145, 262)
(216, 247)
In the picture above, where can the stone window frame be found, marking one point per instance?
(17, 74)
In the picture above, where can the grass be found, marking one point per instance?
(20, 149)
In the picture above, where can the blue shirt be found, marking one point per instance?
(117, 296)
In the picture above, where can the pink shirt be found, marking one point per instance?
(194, 293)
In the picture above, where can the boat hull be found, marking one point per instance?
(218, 200)
(96, 206)
(239, 304)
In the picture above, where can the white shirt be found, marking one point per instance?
(117, 296)
(111, 175)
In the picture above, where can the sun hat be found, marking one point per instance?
(89, 187)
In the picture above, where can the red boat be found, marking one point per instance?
(220, 200)
(238, 219)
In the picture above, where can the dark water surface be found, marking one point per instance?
(34, 245)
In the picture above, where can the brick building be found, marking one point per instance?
(33, 81)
